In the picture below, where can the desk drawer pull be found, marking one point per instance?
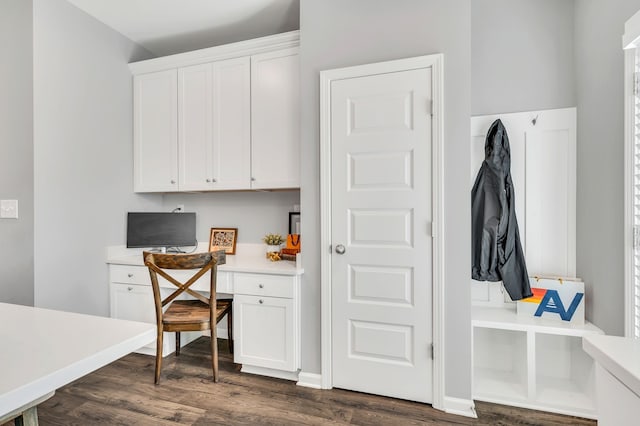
(261, 301)
(130, 275)
(260, 285)
(129, 288)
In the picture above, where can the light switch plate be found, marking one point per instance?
(8, 209)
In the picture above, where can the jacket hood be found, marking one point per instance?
(497, 152)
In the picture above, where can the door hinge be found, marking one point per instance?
(432, 352)
(430, 108)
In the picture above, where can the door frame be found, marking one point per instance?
(435, 62)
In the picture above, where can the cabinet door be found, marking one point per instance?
(275, 120)
(231, 124)
(155, 132)
(195, 123)
(263, 332)
(135, 303)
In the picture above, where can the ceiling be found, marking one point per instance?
(165, 27)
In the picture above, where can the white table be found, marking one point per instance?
(617, 378)
(38, 357)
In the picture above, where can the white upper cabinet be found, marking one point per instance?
(155, 152)
(195, 126)
(214, 126)
(275, 120)
(224, 118)
(232, 124)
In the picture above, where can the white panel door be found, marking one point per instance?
(275, 120)
(155, 142)
(195, 123)
(231, 124)
(381, 321)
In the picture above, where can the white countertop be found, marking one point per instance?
(620, 356)
(248, 258)
(43, 349)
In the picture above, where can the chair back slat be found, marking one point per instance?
(180, 261)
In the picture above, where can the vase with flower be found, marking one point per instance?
(273, 242)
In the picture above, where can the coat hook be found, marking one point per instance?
(534, 120)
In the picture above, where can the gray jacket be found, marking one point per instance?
(496, 251)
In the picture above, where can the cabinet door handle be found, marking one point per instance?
(208, 180)
(260, 285)
(130, 275)
(253, 179)
(173, 182)
(261, 301)
(129, 288)
(213, 180)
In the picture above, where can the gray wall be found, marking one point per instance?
(338, 33)
(599, 74)
(83, 162)
(253, 213)
(560, 53)
(16, 150)
(521, 55)
(82, 154)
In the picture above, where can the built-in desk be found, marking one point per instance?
(266, 305)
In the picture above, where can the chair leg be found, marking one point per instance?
(230, 330)
(177, 343)
(158, 356)
(214, 353)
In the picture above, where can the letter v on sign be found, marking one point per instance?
(552, 303)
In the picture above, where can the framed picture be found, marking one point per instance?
(294, 222)
(223, 239)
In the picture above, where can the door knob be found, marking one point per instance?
(340, 249)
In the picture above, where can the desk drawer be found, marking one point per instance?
(264, 285)
(126, 274)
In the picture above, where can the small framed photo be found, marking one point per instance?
(294, 222)
(223, 239)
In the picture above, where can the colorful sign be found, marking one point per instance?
(555, 298)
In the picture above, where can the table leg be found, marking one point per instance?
(27, 415)
(28, 418)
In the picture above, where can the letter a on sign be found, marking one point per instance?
(552, 303)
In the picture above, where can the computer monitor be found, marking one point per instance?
(161, 230)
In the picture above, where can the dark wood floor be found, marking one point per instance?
(123, 393)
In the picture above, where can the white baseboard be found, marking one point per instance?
(310, 380)
(278, 374)
(460, 407)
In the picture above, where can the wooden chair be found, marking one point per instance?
(202, 313)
